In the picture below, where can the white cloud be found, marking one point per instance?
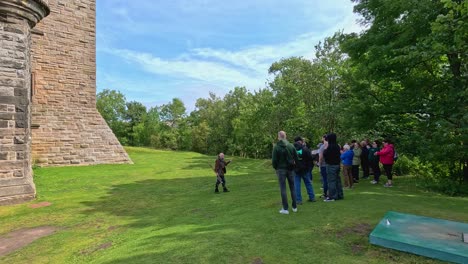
(192, 74)
(210, 72)
(224, 68)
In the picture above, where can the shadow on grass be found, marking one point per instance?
(237, 164)
(181, 220)
(173, 220)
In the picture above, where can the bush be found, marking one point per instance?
(405, 166)
(433, 177)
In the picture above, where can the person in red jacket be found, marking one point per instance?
(386, 156)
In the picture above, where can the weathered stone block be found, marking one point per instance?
(21, 123)
(3, 155)
(3, 124)
(7, 116)
(21, 92)
(7, 91)
(21, 156)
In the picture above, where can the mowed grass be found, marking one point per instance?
(162, 209)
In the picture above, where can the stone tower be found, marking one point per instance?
(67, 128)
(17, 18)
(48, 113)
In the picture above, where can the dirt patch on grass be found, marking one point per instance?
(23, 237)
(100, 247)
(361, 230)
(39, 205)
(257, 261)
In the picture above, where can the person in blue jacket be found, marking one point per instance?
(347, 161)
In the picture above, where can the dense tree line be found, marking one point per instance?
(404, 77)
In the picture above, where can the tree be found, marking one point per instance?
(111, 106)
(330, 88)
(410, 72)
(173, 112)
(135, 116)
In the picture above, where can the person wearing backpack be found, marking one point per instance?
(386, 157)
(283, 159)
(301, 172)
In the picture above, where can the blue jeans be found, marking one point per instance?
(323, 173)
(309, 174)
(298, 176)
(335, 188)
(284, 175)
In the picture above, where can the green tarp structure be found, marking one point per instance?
(430, 237)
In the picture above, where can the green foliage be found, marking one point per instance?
(112, 107)
(409, 73)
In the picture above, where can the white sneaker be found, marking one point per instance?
(282, 211)
(295, 210)
(373, 182)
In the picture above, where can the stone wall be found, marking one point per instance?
(67, 128)
(16, 20)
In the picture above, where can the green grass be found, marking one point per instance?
(162, 209)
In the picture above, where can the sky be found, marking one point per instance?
(155, 50)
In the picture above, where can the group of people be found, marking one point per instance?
(293, 164)
(367, 156)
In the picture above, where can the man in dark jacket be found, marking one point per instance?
(332, 158)
(365, 159)
(283, 159)
(301, 172)
(220, 170)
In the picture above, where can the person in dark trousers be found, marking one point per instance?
(386, 157)
(283, 159)
(323, 167)
(332, 155)
(374, 161)
(356, 147)
(302, 169)
(365, 160)
(220, 170)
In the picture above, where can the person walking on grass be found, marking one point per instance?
(220, 170)
(283, 159)
(301, 172)
(332, 155)
(374, 161)
(347, 161)
(386, 157)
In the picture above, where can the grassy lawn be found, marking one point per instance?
(162, 209)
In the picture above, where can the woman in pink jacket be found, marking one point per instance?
(386, 158)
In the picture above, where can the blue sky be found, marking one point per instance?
(156, 50)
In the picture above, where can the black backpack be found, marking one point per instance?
(300, 166)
